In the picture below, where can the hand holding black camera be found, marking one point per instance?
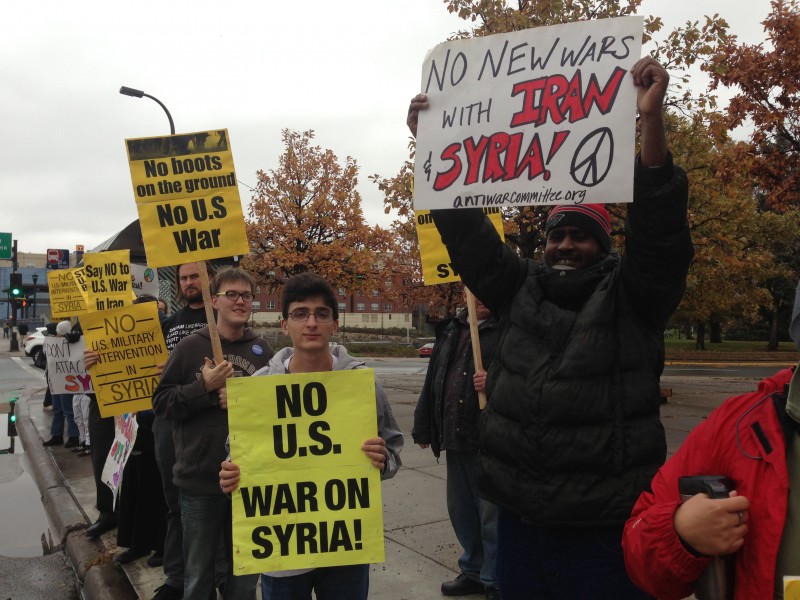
(713, 521)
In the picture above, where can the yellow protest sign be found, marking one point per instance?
(436, 265)
(108, 279)
(131, 346)
(791, 587)
(308, 495)
(187, 197)
(67, 295)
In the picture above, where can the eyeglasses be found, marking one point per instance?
(322, 315)
(234, 296)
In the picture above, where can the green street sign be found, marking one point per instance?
(5, 246)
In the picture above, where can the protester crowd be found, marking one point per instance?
(558, 487)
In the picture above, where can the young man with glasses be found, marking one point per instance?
(192, 394)
(190, 318)
(310, 318)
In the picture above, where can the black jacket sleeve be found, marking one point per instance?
(488, 267)
(658, 246)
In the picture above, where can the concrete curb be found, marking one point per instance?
(99, 578)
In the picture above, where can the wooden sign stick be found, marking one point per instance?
(216, 345)
(476, 342)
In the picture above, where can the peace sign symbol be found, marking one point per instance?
(593, 157)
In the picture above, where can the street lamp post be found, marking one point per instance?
(35, 278)
(126, 91)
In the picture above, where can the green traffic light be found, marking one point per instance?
(13, 418)
(16, 292)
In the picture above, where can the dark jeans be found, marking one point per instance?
(173, 541)
(350, 582)
(474, 519)
(552, 563)
(62, 409)
(207, 523)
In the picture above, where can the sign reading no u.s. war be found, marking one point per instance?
(308, 495)
(187, 197)
(541, 116)
(130, 346)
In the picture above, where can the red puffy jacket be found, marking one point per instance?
(655, 558)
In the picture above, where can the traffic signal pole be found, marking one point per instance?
(8, 408)
(14, 346)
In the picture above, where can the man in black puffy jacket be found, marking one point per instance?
(572, 433)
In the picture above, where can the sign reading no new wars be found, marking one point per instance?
(131, 346)
(541, 116)
(308, 495)
(187, 197)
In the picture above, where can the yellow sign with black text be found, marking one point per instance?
(131, 346)
(68, 294)
(108, 279)
(187, 196)
(436, 265)
(308, 495)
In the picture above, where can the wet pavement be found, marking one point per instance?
(421, 549)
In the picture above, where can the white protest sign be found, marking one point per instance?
(144, 280)
(125, 428)
(539, 116)
(66, 373)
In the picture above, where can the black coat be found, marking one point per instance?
(572, 434)
(429, 413)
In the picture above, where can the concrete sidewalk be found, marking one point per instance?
(421, 549)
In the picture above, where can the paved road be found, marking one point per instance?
(421, 550)
(24, 572)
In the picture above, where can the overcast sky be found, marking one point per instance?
(345, 68)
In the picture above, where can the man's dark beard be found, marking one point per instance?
(193, 296)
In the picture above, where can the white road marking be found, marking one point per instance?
(28, 367)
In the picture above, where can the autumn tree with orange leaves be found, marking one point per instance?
(306, 216)
(524, 226)
(440, 300)
(744, 251)
(766, 78)
(740, 248)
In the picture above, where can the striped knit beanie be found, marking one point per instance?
(592, 218)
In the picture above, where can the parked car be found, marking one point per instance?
(34, 347)
(426, 350)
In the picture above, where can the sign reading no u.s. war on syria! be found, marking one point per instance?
(541, 116)
(308, 495)
(187, 197)
(130, 346)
